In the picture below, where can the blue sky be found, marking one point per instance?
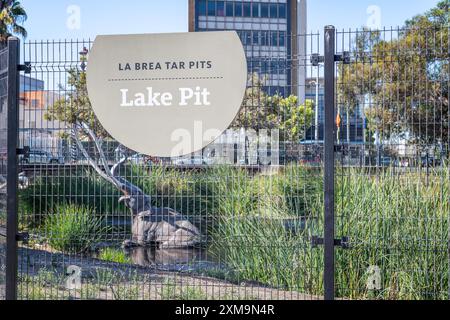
(48, 18)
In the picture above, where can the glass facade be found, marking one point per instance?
(264, 28)
(254, 9)
(263, 38)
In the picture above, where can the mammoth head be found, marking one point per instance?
(136, 204)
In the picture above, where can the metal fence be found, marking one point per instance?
(394, 209)
(9, 86)
(342, 193)
(3, 167)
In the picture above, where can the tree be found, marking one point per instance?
(295, 118)
(406, 79)
(12, 16)
(75, 108)
(261, 111)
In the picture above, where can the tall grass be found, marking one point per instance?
(397, 221)
(220, 190)
(73, 229)
(256, 242)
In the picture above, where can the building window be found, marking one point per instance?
(264, 67)
(255, 10)
(229, 9)
(255, 38)
(34, 103)
(249, 37)
(211, 8)
(273, 10)
(202, 8)
(274, 39)
(282, 12)
(246, 37)
(282, 39)
(264, 10)
(238, 9)
(243, 37)
(220, 8)
(273, 67)
(264, 38)
(247, 9)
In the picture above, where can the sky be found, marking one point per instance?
(84, 19)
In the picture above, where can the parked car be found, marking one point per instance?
(140, 159)
(40, 157)
(190, 161)
(386, 161)
(430, 162)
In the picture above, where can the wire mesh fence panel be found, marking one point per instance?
(3, 167)
(248, 204)
(392, 169)
(242, 218)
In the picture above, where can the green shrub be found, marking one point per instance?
(82, 188)
(174, 291)
(73, 229)
(114, 255)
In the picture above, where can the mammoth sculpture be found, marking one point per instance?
(163, 227)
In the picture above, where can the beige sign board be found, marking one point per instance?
(167, 94)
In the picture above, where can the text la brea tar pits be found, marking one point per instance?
(167, 65)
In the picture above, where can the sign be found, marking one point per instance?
(167, 95)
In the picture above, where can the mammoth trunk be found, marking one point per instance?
(163, 227)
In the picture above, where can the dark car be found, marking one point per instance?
(40, 157)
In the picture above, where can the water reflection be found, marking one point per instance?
(172, 259)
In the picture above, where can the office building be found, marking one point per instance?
(272, 32)
(353, 124)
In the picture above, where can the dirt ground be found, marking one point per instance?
(43, 275)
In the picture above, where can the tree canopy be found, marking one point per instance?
(405, 78)
(262, 111)
(12, 16)
(75, 108)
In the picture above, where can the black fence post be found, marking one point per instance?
(329, 137)
(12, 168)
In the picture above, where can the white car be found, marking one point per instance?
(190, 161)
